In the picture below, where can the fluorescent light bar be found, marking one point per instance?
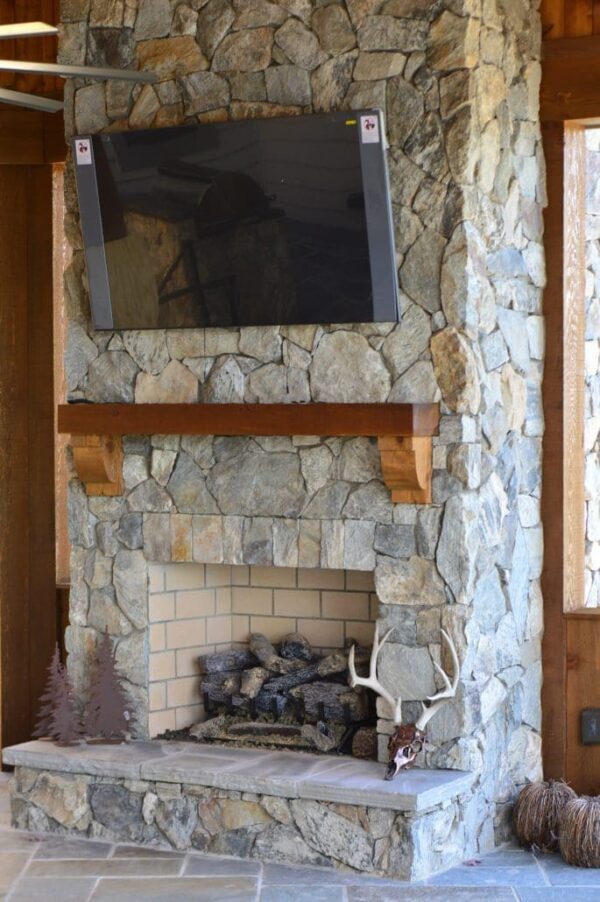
(31, 101)
(77, 71)
(26, 30)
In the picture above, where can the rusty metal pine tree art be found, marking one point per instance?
(108, 716)
(48, 698)
(65, 723)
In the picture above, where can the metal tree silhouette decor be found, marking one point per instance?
(43, 724)
(108, 716)
(59, 717)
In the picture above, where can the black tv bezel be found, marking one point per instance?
(378, 210)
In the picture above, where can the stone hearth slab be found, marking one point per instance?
(285, 774)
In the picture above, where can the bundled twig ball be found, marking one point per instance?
(579, 834)
(537, 812)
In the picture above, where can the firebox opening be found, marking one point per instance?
(258, 656)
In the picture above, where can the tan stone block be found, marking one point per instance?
(187, 659)
(346, 605)
(309, 543)
(181, 537)
(218, 575)
(323, 633)
(274, 628)
(320, 579)
(240, 628)
(159, 721)
(156, 578)
(158, 637)
(188, 716)
(374, 602)
(161, 607)
(361, 631)
(273, 577)
(157, 696)
(186, 633)
(218, 629)
(183, 691)
(194, 603)
(176, 384)
(246, 600)
(184, 576)
(240, 575)
(360, 580)
(221, 341)
(208, 539)
(297, 603)
(161, 666)
(223, 600)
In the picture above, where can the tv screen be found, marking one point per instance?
(255, 222)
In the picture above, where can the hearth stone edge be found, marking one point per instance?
(180, 794)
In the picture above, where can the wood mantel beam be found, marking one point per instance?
(404, 433)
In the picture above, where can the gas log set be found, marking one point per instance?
(292, 697)
(287, 696)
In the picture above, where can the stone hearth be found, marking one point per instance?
(282, 806)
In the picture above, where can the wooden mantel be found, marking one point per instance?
(404, 433)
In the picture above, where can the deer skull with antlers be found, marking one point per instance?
(407, 740)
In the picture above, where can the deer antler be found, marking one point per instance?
(371, 682)
(440, 698)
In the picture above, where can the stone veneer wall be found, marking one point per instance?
(592, 372)
(195, 609)
(371, 839)
(458, 80)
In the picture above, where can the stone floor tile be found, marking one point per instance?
(126, 851)
(430, 894)
(65, 847)
(478, 876)
(561, 874)
(283, 875)
(102, 867)
(302, 894)
(190, 889)
(556, 894)
(212, 866)
(71, 889)
(15, 841)
(11, 865)
(509, 857)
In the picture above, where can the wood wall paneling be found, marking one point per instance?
(570, 86)
(582, 691)
(570, 18)
(569, 98)
(34, 49)
(554, 649)
(27, 576)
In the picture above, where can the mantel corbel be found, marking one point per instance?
(404, 433)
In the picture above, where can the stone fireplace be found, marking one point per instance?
(213, 533)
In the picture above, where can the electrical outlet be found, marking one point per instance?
(590, 726)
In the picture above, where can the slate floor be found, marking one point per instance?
(54, 869)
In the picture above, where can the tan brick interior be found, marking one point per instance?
(199, 608)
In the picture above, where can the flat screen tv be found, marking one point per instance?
(255, 222)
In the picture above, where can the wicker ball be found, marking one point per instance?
(579, 832)
(537, 812)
